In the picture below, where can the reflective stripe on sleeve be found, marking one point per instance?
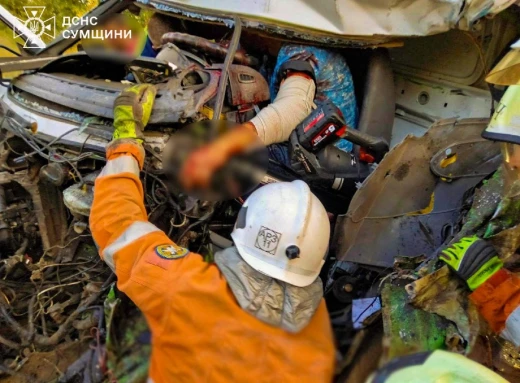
(132, 233)
(121, 164)
(512, 330)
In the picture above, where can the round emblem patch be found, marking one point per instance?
(171, 251)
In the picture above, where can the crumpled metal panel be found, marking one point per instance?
(96, 97)
(402, 208)
(346, 19)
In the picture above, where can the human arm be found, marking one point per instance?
(144, 259)
(273, 124)
(292, 105)
(201, 164)
(498, 301)
(496, 291)
(127, 241)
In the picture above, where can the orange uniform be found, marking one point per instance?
(498, 300)
(199, 332)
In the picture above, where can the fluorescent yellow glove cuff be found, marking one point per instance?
(485, 272)
(473, 259)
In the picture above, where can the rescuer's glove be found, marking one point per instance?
(473, 259)
(132, 110)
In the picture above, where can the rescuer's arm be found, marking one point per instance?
(496, 291)
(118, 193)
(127, 242)
(498, 301)
(144, 259)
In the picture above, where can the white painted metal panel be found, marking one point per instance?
(351, 17)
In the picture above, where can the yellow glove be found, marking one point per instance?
(132, 110)
(472, 259)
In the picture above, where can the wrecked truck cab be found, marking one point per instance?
(416, 70)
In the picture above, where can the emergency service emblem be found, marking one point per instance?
(171, 251)
(267, 240)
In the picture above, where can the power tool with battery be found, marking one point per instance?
(315, 158)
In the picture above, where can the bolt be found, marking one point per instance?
(348, 288)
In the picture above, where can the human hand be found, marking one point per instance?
(132, 110)
(472, 259)
(200, 165)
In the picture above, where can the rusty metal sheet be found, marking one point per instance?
(403, 208)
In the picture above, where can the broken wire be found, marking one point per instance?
(39, 147)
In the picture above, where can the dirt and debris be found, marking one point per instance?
(405, 264)
(402, 171)
(48, 309)
(441, 294)
(128, 341)
(494, 214)
(43, 367)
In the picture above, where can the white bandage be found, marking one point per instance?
(292, 104)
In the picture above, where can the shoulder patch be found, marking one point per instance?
(171, 251)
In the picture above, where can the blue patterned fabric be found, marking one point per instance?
(333, 80)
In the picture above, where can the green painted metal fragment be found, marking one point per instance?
(407, 329)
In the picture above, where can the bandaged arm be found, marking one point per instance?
(292, 104)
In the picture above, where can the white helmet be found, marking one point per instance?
(283, 231)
